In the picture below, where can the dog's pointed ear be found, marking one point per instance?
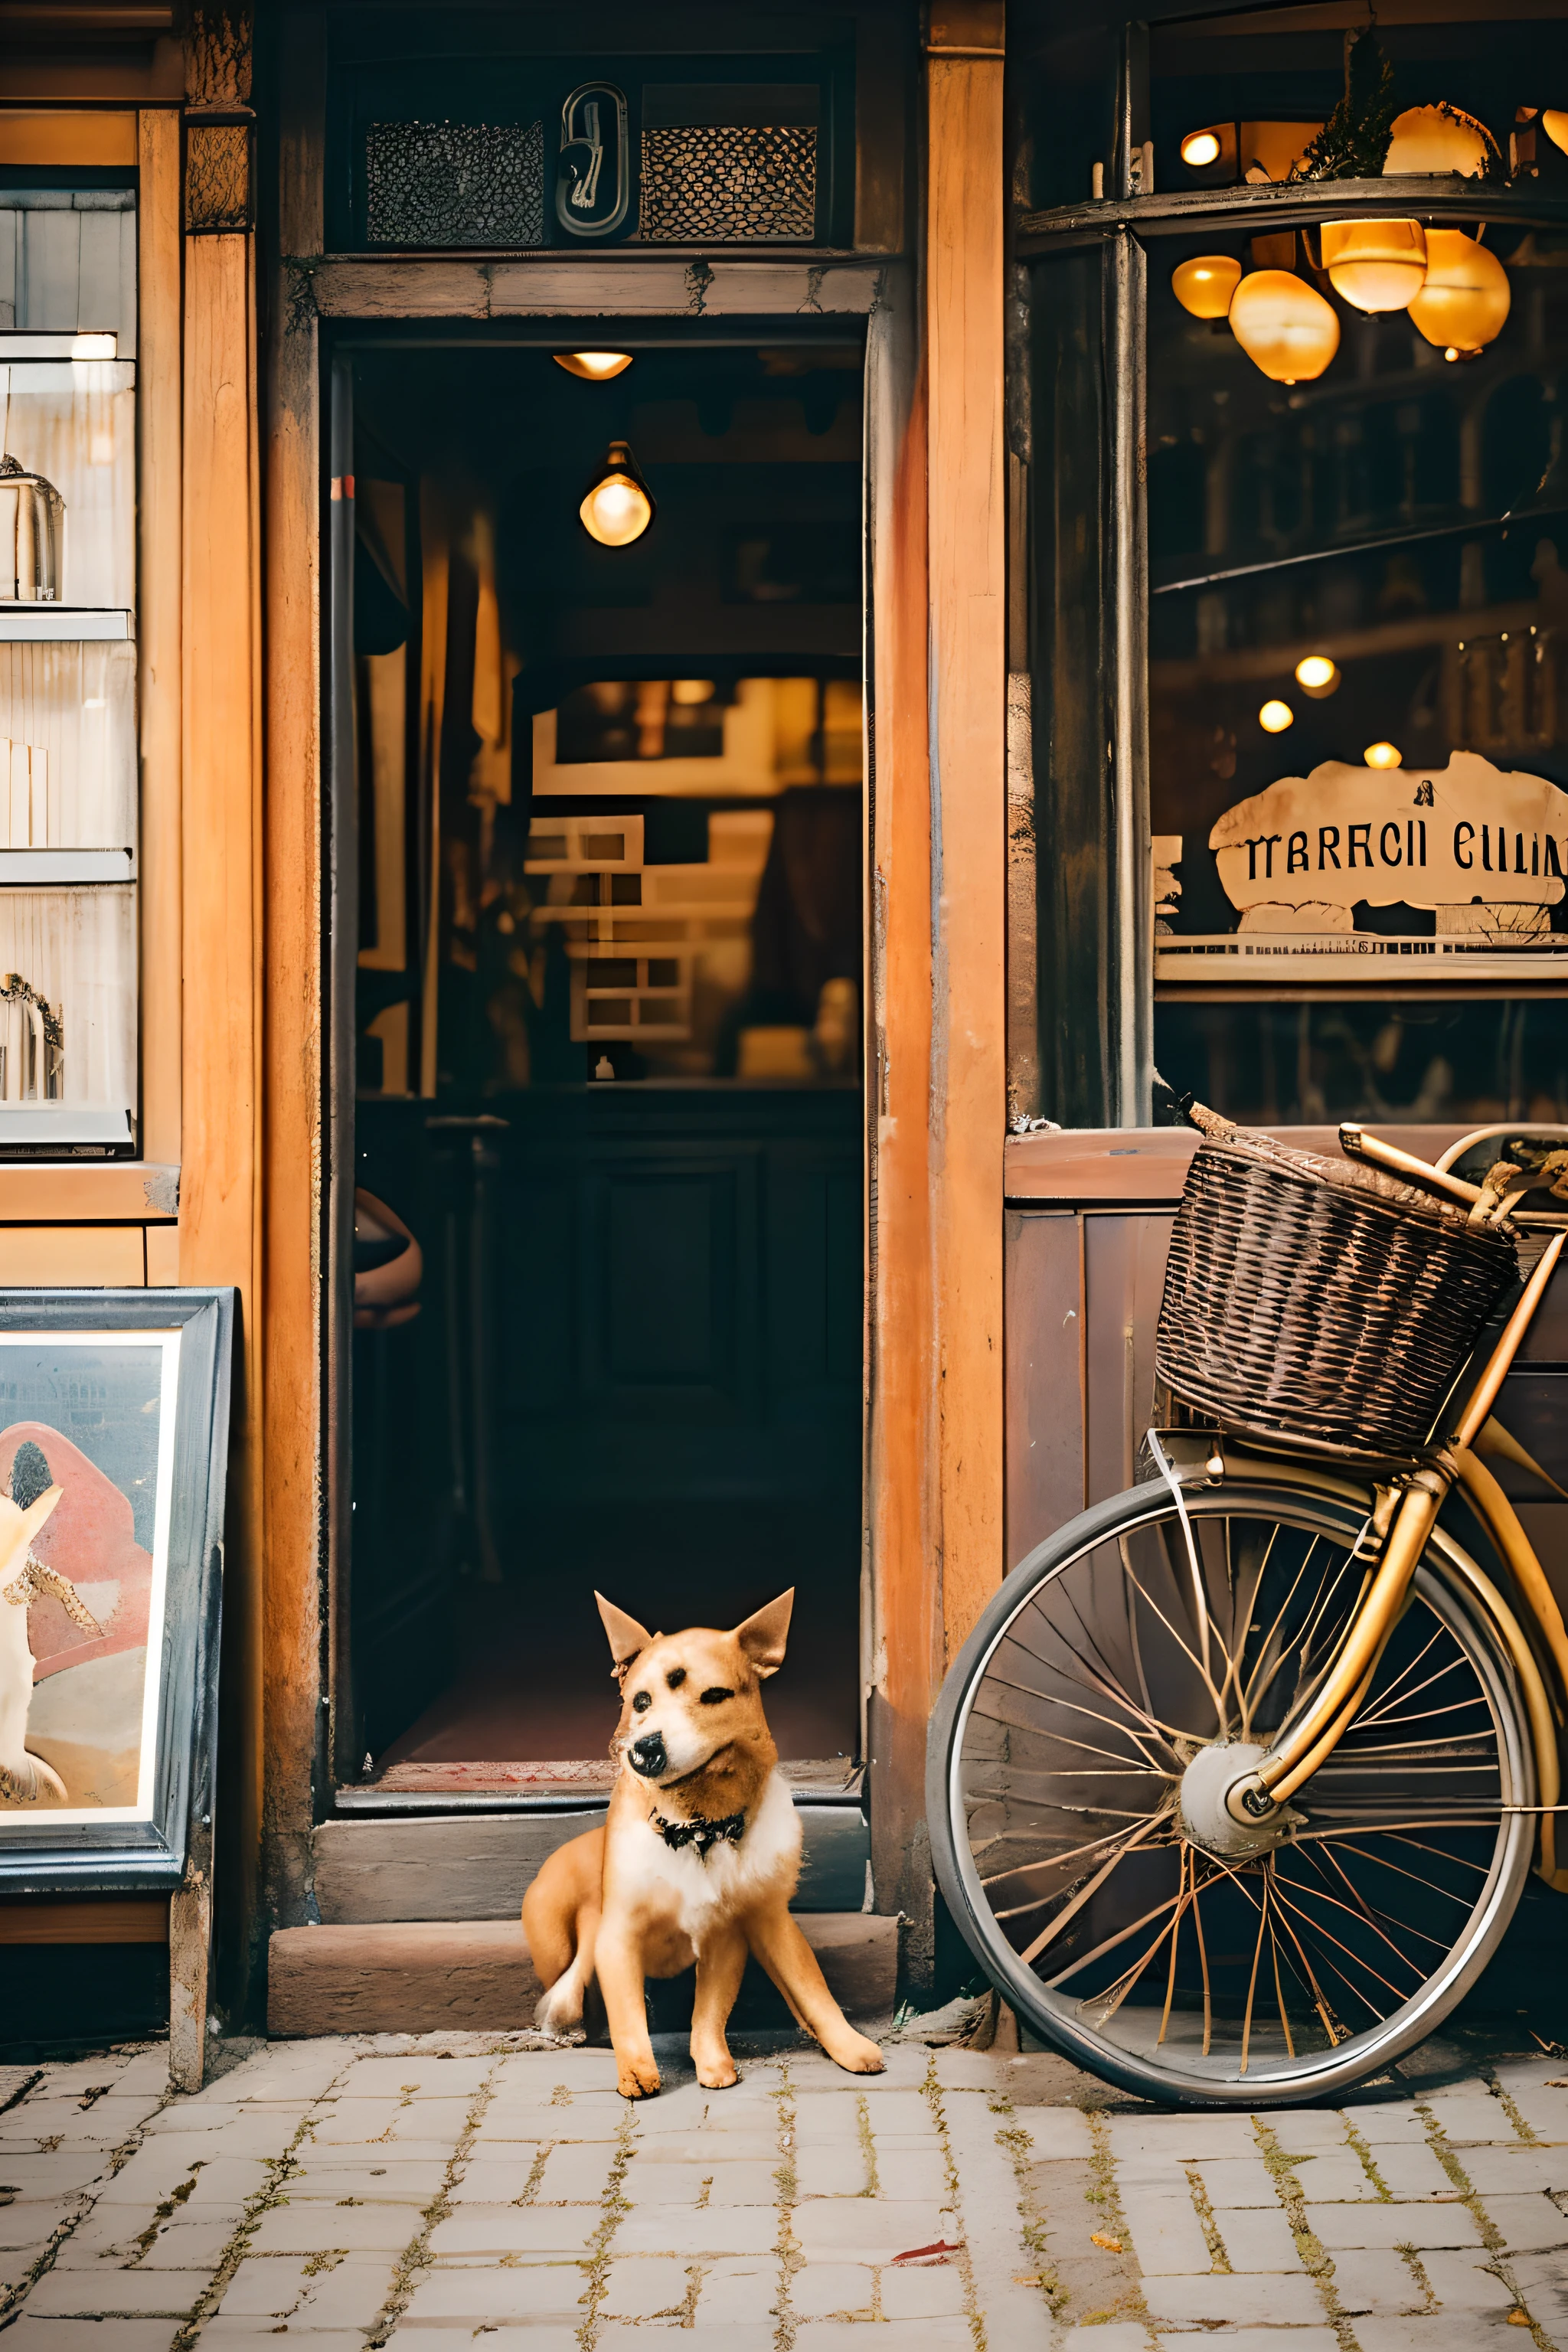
(762, 1637)
(627, 1638)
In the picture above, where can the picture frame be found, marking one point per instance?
(114, 1431)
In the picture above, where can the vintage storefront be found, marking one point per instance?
(694, 671)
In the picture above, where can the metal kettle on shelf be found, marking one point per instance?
(32, 514)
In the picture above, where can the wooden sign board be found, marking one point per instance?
(1475, 858)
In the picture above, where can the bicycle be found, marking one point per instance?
(1235, 1784)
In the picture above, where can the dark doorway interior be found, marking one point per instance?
(609, 1044)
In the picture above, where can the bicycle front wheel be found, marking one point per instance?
(1073, 1814)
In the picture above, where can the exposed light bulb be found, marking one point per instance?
(1275, 716)
(1205, 286)
(617, 507)
(1316, 674)
(1200, 149)
(1381, 755)
(595, 367)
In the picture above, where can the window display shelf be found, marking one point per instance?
(1293, 203)
(35, 867)
(59, 346)
(65, 1131)
(62, 624)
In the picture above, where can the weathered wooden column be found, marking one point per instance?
(220, 1089)
(938, 911)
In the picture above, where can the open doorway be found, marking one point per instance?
(608, 1124)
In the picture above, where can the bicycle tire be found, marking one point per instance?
(998, 1768)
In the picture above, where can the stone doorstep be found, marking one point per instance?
(475, 1975)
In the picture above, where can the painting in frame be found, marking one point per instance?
(114, 1411)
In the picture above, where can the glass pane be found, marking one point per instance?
(1357, 639)
(1071, 621)
(73, 422)
(1323, 1058)
(68, 1016)
(67, 745)
(1359, 741)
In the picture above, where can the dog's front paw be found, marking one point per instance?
(560, 2017)
(638, 2078)
(857, 2056)
(717, 2073)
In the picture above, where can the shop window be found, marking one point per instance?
(1350, 608)
(67, 672)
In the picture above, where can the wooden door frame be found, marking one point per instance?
(935, 994)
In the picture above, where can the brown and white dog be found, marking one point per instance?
(697, 1861)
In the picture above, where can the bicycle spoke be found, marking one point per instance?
(1195, 1966)
(1252, 1979)
(1175, 1941)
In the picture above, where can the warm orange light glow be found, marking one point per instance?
(1381, 755)
(691, 690)
(1200, 149)
(1316, 674)
(1463, 303)
(1284, 325)
(1206, 285)
(1275, 716)
(617, 507)
(595, 367)
(1377, 265)
(1438, 139)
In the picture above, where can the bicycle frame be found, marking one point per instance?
(1303, 1745)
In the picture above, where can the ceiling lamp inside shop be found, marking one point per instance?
(1206, 285)
(1381, 755)
(1284, 325)
(1440, 139)
(1200, 149)
(619, 504)
(1317, 674)
(1275, 716)
(595, 367)
(1463, 301)
(1376, 265)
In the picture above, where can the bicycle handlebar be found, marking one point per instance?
(1357, 1144)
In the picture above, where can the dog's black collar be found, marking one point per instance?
(704, 1835)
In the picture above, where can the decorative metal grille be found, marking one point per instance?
(455, 184)
(729, 183)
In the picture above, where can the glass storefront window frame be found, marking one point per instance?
(1090, 1062)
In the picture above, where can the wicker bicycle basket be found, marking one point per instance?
(1318, 1301)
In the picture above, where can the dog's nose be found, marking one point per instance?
(647, 1754)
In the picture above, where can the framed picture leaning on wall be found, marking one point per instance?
(114, 1408)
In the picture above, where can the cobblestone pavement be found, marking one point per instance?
(436, 2192)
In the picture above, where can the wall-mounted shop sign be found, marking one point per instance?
(1458, 872)
(593, 171)
(113, 1441)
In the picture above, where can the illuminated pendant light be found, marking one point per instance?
(595, 367)
(1381, 755)
(1438, 139)
(1465, 300)
(1200, 149)
(619, 504)
(1317, 674)
(1284, 325)
(1275, 716)
(1376, 265)
(1205, 286)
